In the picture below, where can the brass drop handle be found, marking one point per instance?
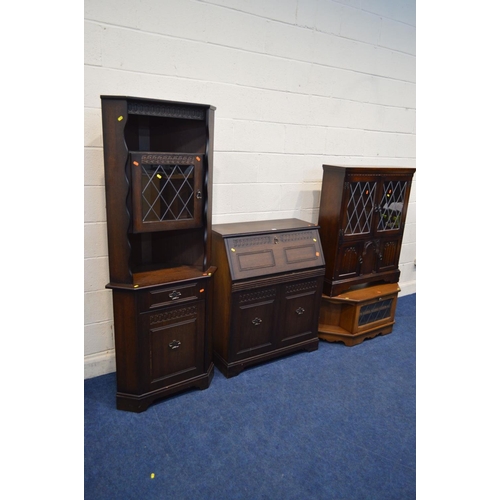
(175, 295)
(198, 195)
(257, 321)
(300, 311)
(175, 344)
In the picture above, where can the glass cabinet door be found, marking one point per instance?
(166, 191)
(390, 204)
(360, 208)
(374, 207)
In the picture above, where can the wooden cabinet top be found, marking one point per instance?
(147, 100)
(372, 170)
(265, 226)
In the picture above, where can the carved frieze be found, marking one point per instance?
(166, 110)
(178, 313)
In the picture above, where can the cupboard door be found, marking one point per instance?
(254, 322)
(300, 312)
(166, 191)
(176, 339)
(390, 206)
(359, 205)
(349, 261)
(389, 250)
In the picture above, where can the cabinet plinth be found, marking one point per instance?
(266, 291)
(158, 158)
(357, 315)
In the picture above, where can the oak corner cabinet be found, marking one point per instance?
(362, 218)
(158, 159)
(267, 291)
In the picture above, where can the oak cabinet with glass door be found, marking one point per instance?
(362, 218)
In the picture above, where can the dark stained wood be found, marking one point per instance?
(372, 254)
(266, 291)
(160, 274)
(262, 226)
(114, 119)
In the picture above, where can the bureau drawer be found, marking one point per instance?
(177, 294)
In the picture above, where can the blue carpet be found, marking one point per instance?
(337, 423)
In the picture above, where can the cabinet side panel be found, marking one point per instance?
(114, 118)
(209, 158)
(329, 216)
(221, 301)
(129, 375)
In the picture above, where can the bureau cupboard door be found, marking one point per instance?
(300, 320)
(175, 339)
(254, 322)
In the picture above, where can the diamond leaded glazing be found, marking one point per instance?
(391, 205)
(374, 312)
(167, 192)
(360, 207)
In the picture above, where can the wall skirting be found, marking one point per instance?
(99, 364)
(407, 288)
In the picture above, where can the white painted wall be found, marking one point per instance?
(296, 83)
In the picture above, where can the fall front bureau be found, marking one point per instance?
(267, 291)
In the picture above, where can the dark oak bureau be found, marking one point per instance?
(267, 291)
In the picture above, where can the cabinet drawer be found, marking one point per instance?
(171, 295)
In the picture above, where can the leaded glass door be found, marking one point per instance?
(358, 219)
(390, 204)
(166, 191)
